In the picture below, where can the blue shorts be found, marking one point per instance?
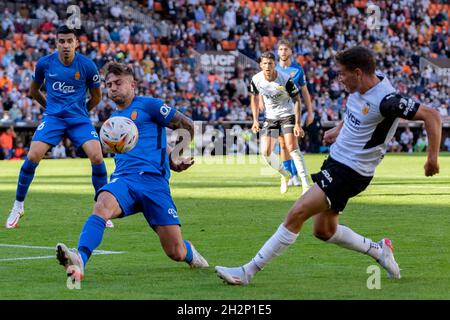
(148, 193)
(52, 129)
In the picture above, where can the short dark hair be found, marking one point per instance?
(267, 55)
(284, 42)
(63, 29)
(357, 57)
(118, 69)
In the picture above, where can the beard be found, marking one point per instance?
(118, 99)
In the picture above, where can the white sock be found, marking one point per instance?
(18, 204)
(347, 238)
(300, 164)
(275, 163)
(275, 246)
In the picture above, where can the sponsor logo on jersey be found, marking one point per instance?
(77, 75)
(280, 88)
(327, 175)
(407, 105)
(134, 115)
(61, 87)
(352, 119)
(165, 110)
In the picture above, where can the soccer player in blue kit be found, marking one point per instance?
(296, 73)
(140, 182)
(67, 76)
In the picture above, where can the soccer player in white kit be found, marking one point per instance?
(371, 119)
(282, 112)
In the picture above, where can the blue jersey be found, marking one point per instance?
(296, 73)
(151, 116)
(66, 86)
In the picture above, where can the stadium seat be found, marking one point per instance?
(164, 50)
(157, 6)
(8, 45)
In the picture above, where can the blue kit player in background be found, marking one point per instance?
(140, 182)
(67, 76)
(297, 74)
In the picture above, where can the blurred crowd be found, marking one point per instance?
(171, 33)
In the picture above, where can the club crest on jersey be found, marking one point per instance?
(77, 75)
(365, 110)
(134, 115)
(293, 74)
(280, 88)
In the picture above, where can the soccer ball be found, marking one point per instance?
(118, 135)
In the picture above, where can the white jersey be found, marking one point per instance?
(370, 122)
(277, 94)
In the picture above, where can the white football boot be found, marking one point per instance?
(15, 214)
(109, 224)
(295, 181)
(236, 276)
(197, 260)
(387, 260)
(71, 260)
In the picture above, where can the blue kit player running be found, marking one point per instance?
(140, 182)
(297, 74)
(67, 76)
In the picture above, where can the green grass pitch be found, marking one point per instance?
(228, 211)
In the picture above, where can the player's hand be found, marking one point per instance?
(330, 135)
(181, 164)
(431, 167)
(298, 131)
(309, 119)
(255, 127)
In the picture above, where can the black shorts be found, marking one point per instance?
(285, 124)
(339, 182)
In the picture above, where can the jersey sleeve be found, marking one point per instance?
(160, 113)
(92, 76)
(291, 88)
(301, 78)
(396, 105)
(39, 72)
(253, 89)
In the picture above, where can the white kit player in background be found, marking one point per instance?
(371, 119)
(282, 112)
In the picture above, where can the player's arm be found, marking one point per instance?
(254, 105)
(36, 93)
(96, 97)
(293, 92)
(403, 107)
(433, 127)
(307, 98)
(177, 161)
(331, 135)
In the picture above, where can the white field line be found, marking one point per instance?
(2, 245)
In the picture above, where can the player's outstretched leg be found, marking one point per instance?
(99, 179)
(71, 260)
(327, 229)
(272, 161)
(178, 249)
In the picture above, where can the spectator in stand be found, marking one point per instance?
(7, 142)
(421, 144)
(406, 140)
(19, 152)
(59, 151)
(393, 145)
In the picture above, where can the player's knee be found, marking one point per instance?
(298, 213)
(34, 157)
(101, 210)
(96, 158)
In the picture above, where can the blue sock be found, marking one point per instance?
(189, 254)
(293, 168)
(287, 166)
(99, 176)
(25, 177)
(91, 236)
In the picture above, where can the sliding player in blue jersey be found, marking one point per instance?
(295, 72)
(140, 182)
(67, 76)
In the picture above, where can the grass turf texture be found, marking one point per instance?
(228, 211)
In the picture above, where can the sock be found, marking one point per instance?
(25, 178)
(274, 247)
(189, 254)
(91, 236)
(293, 168)
(99, 176)
(273, 161)
(18, 204)
(347, 238)
(287, 166)
(299, 162)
